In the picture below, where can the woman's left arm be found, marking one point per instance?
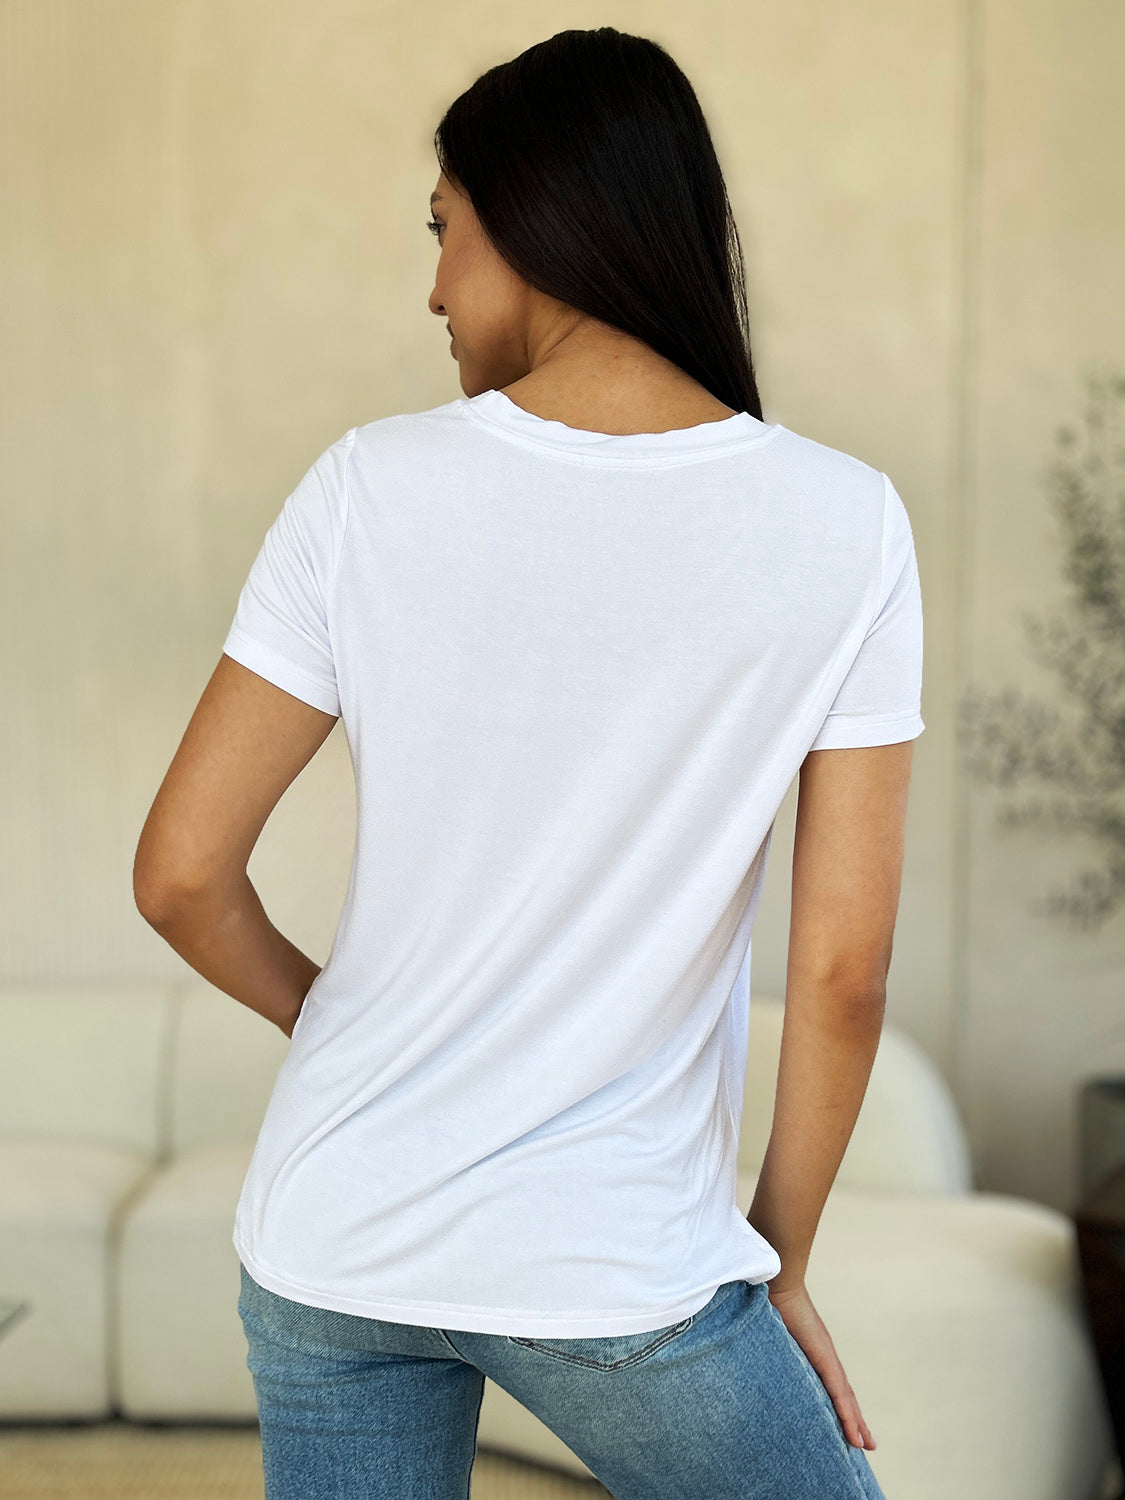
(246, 742)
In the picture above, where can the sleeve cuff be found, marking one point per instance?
(279, 670)
(857, 733)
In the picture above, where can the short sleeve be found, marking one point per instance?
(281, 624)
(880, 699)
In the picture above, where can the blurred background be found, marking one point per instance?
(215, 263)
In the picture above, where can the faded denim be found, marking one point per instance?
(722, 1405)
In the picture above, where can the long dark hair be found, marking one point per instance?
(590, 167)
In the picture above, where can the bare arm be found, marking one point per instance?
(847, 871)
(245, 744)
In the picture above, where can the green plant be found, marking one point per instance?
(1079, 757)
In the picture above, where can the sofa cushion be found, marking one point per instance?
(958, 1318)
(60, 1204)
(181, 1350)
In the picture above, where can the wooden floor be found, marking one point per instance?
(120, 1460)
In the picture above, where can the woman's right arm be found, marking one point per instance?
(847, 871)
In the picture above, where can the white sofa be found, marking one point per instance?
(127, 1118)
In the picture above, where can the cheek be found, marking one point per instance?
(466, 287)
(477, 301)
(451, 291)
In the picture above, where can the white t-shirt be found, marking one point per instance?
(578, 673)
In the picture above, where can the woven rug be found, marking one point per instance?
(130, 1461)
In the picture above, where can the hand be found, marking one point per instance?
(804, 1322)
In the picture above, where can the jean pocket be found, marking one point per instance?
(615, 1352)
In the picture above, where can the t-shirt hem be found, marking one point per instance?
(470, 1319)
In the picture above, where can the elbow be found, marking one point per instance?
(845, 1013)
(163, 892)
(153, 899)
(858, 1003)
(855, 993)
(866, 1005)
(857, 974)
(158, 891)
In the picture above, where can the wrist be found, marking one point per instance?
(782, 1287)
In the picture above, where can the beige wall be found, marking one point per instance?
(215, 264)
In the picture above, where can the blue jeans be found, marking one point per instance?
(722, 1405)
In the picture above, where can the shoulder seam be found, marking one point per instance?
(330, 590)
(349, 438)
(882, 555)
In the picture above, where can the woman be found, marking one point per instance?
(583, 624)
